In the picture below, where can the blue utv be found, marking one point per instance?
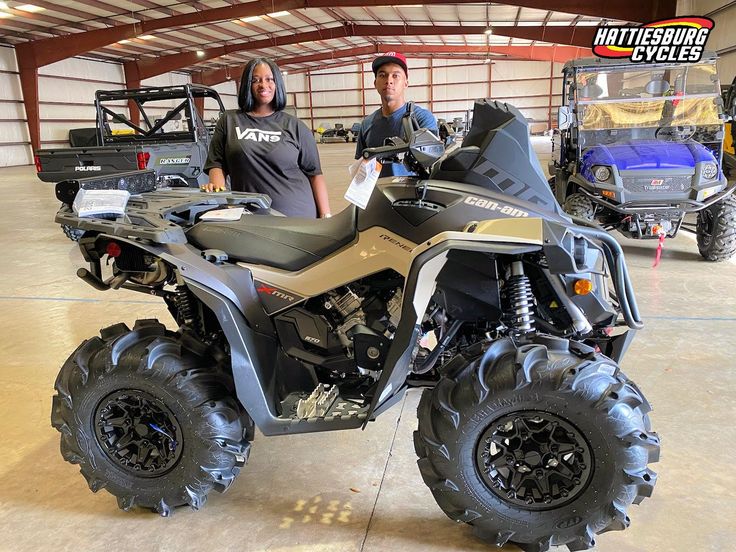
(640, 147)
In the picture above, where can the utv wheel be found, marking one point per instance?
(578, 205)
(148, 419)
(536, 445)
(74, 234)
(716, 230)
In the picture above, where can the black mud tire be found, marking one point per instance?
(578, 205)
(74, 234)
(213, 432)
(716, 230)
(587, 391)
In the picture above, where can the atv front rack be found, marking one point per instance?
(162, 216)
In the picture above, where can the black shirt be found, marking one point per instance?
(271, 155)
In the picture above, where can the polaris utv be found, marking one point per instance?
(641, 147)
(528, 429)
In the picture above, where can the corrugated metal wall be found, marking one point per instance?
(14, 139)
(446, 87)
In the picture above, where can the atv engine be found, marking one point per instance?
(347, 330)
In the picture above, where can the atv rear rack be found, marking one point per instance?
(162, 216)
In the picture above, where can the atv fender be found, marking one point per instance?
(418, 290)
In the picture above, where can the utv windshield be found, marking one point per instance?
(634, 102)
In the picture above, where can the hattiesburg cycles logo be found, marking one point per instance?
(679, 40)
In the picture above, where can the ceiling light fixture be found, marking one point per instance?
(278, 14)
(124, 41)
(200, 53)
(147, 37)
(284, 73)
(30, 8)
(489, 31)
(250, 19)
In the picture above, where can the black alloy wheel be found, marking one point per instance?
(138, 432)
(534, 460)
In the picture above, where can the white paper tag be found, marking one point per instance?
(95, 203)
(223, 214)
(364, 177)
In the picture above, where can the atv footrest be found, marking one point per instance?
(323, 404)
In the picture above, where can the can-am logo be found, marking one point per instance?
(258, 135)
(678, 40)
(89, 168)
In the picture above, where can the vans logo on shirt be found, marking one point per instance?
(256, 135)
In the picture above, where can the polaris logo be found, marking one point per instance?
(493, 206)
(275, 293)
(255, 135)
(395, 242)
(174, 161)
(89, 168)
(657, 181)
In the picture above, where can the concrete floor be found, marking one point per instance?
(359, 490)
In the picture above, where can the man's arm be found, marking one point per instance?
(360, 143)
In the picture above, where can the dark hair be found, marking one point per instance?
(245, 92)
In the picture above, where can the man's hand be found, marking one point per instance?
(211, 187)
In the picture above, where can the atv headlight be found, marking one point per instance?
(601, 173)
(710, 171)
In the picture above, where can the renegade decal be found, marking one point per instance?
(395, 242)
(256, 135)
(493, 206)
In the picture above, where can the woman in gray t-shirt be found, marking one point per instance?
(265, 150)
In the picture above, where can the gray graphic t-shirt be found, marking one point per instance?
(271, 155)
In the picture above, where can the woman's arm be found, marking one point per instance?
(319, 190)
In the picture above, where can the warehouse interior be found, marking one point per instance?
(354, 490)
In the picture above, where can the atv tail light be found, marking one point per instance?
(656, 229)
(113, 249)
(37, 162)
(143, 157)
(582, 286)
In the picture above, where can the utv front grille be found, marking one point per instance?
(650, 184)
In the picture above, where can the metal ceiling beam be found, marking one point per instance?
(641, 11)
(144, 69)
(212, 77)
(50, 50)
(559, 54)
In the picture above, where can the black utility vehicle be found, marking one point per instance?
(171, 137)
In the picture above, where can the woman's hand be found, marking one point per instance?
(217, 181)
(212, 187)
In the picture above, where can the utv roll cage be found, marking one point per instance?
(151, 127)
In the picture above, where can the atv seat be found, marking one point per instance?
(289, 243)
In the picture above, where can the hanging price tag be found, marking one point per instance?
(364, 177)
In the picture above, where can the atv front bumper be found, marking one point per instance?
(672, 208)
